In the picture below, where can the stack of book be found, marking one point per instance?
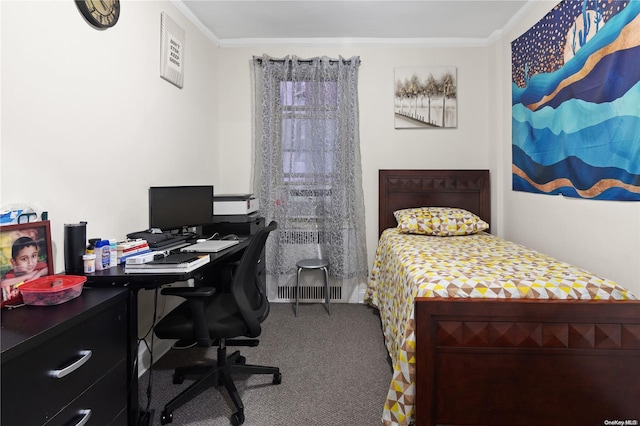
(178, 263)
(129, 248)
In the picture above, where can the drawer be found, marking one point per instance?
(104, 403)
(104, 335)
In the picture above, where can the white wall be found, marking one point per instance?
(88, 124)
(600, 236)
(382, 147)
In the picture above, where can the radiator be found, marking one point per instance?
(305, 244)
(309, 292)
(311, 237)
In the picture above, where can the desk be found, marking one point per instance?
(116, 277)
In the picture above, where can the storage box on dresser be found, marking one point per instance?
(38, 340)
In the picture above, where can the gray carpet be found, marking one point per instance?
(335, 371)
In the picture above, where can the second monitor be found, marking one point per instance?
(179, 207)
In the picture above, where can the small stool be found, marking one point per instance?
(314, 264)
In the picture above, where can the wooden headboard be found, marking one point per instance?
(401, 189)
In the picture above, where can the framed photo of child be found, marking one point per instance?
(25, 254)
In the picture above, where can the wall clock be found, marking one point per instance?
(100, 13)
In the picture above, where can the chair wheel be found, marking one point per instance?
(241, 360)
(277, 378)
(237, 419)
(166, 418)
(178, 379)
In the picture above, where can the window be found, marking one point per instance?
(307, 161)
(307, 173)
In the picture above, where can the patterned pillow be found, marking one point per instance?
(439, 221)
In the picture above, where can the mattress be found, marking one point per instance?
(481, 265)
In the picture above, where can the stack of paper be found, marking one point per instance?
(130, 248)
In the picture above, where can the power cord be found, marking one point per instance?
(145, 416)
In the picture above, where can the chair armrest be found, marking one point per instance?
(188, 292)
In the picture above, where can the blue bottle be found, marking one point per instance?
(103, 255)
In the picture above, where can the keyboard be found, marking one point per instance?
(172, 241)
(159, 241)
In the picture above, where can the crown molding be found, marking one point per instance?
(190, 16)
(368, 42)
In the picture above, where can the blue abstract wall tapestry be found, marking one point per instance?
(576, 102)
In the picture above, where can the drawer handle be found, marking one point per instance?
(86, 415)
(58, 374)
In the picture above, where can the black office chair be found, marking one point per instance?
(211, 317)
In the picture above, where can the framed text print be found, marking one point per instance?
(171, 51)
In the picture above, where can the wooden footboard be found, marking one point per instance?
(506, 362)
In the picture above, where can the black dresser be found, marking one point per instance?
(66, 364)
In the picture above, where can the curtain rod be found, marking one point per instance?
(307, 61)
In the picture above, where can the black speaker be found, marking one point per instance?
(75, 243)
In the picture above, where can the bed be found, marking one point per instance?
(474, 348)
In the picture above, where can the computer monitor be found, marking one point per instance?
(178, 207)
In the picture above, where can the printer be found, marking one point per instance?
(234, 204)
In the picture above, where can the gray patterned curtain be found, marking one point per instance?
(307, 170)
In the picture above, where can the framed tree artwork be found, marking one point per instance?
(425, 98)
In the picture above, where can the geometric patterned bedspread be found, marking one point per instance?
(407, 266)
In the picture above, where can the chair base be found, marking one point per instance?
(216, 375)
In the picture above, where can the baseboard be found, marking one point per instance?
(160, 347)
(361, 294)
